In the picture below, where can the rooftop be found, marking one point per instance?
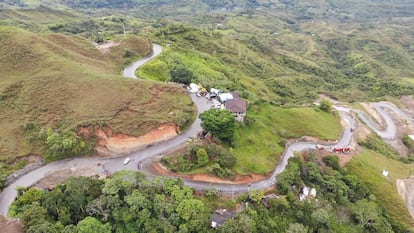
(236, 105)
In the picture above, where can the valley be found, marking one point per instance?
(317, 77)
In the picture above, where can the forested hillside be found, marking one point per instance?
(128, 202)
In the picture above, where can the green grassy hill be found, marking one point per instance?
(62, 82)
(368, 167)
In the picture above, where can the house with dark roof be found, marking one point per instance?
(238, 107)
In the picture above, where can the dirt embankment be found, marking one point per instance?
(59, 177)
(106, 47)
(374, 115)
(116, 144)
(10, 225)
(239, 179)
(408, 102)
(405, 189)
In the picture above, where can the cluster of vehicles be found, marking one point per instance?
(332, 149)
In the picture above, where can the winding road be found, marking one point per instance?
(147, 155)
(129, 71)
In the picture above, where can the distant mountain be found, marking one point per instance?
(304, 9)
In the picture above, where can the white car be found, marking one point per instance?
(126, 161)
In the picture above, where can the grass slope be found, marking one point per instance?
(62, 82)
(260, 144)
(368, 166)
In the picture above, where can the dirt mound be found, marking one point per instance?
(10, 226)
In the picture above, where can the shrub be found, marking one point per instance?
(325, 105)
(202, 157)
(220, 123)
(180, 74)
(62, 145)
(227, 160)
(332, 161)
(375, 143)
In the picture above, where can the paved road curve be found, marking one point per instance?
(147, 155)
(390, 132)
(129, 71)
(111, 165)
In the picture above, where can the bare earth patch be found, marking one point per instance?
(106, 47)
(405, 188)
(115, 144)
(373, 114)
(408, 102)
(10, 225)
(59, 177)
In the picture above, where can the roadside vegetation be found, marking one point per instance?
(208, 158)
(375, 143)
(346, 202)
(127, 202)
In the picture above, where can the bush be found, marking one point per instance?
(180, 74)
(227, 160)
(325, 105)
(375, 143)
(408, 142)
(332, 161)
(217, 170)
(202, 157)
(3, 177)
(62, 145)
(220, 123)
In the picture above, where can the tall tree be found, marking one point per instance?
(181, 74)
(220, 123)
(92, 225)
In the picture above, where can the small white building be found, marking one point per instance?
(224, 97)
(306, 193)
(193, 88)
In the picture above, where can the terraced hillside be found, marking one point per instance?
(62, 82)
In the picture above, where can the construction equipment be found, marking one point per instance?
(341, 150)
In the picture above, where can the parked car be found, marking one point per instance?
(126, 161)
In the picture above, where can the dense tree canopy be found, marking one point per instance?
(180, 74)
(220, 123)
(126, 202)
